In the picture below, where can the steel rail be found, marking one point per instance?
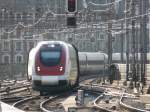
(129, 107)
(16, 104)
(44, 102)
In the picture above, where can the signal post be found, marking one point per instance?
(71, 13)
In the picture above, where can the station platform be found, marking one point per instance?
(8, 108)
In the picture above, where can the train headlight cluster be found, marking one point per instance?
(61, 69)
(38, 69)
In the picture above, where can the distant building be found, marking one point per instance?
(23, 23)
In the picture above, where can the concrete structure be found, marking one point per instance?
(7, 108)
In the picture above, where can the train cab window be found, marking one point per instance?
(50, 58)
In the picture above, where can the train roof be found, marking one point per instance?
(50, 42)
(93, 55)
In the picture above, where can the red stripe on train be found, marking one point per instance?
(50, 70)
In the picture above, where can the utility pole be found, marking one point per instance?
(109, 44)
(145, 40)
(134, 77)
(133, 68)
(127, 37)
(110, 51)
(110, 16)
(12, 59)
(122, 43)
(137, 52)
(141, 43)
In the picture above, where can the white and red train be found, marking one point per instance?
(56, 65)
(53, 65)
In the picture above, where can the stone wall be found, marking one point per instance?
(13, 71)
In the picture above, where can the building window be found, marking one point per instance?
(28, 35)
(4, 35)
(6, 59)
(18, 59)
(12, 35)
(102, 37)
(6, 45)
(18, 46)
(18, 17)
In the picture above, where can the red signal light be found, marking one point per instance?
(71, 5)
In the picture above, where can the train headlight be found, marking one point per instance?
(38, 69)
(61, 69)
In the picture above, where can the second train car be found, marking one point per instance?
(92, 63)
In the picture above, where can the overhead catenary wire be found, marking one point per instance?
(49, 11)
(92, 3)
(54, 14)
(65, 30)
(110, 21)
(30, 25)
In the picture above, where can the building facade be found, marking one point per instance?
(24, 23)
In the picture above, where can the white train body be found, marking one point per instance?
(96, 63)
(92, 62)
(53, 65)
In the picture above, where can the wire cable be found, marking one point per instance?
(92, 3)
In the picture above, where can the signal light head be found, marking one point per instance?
(71, 5)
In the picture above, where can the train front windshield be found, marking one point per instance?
(50, 58)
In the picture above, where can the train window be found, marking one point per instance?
(50, 58)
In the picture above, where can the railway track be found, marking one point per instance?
(13, 91)
(124, 102)
(107, 103)
(31, 104)
(16, 91)
(9, 88)
(132, 103)
(47, 103)
(12, 84)
(112, 99)
(43, 103)
(14, 87)
(53, 104)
